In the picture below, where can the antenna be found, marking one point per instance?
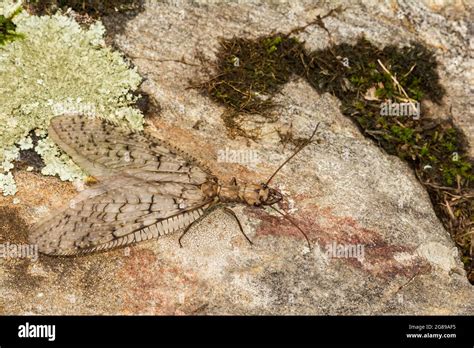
(294, 224)
(293, 155)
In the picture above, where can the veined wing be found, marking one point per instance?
(104, 149)
(122, 211)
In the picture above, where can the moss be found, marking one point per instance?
(8, 31)
(93, 8)
(454, 169)
(250, 72)
(60, 68)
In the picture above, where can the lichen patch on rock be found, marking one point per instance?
(58, 67)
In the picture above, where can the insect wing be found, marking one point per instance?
(122, 212)
(103, 149)
(149, 189)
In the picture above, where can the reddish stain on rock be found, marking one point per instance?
(327, 229)
(152, 287)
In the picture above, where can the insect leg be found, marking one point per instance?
(232, 213)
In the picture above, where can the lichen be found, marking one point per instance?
(57, 163)
(7, 184)
(9, 156)
(58, 68)
(25, 144)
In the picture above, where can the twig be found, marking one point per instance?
(439, 187)
(181, 61)
(409, 71)
(450, 211)
(397, 83)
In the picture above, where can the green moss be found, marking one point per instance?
(7, 26)
(94, 8)
(252, 71)
(454, 169)
(60, 68)
(418, 141)
(402, 134)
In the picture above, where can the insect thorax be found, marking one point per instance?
(249, 194)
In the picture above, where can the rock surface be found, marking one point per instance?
(344, 191)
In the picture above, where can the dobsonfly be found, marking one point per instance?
(147, 188)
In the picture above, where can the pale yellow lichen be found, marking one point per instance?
(59, 68)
